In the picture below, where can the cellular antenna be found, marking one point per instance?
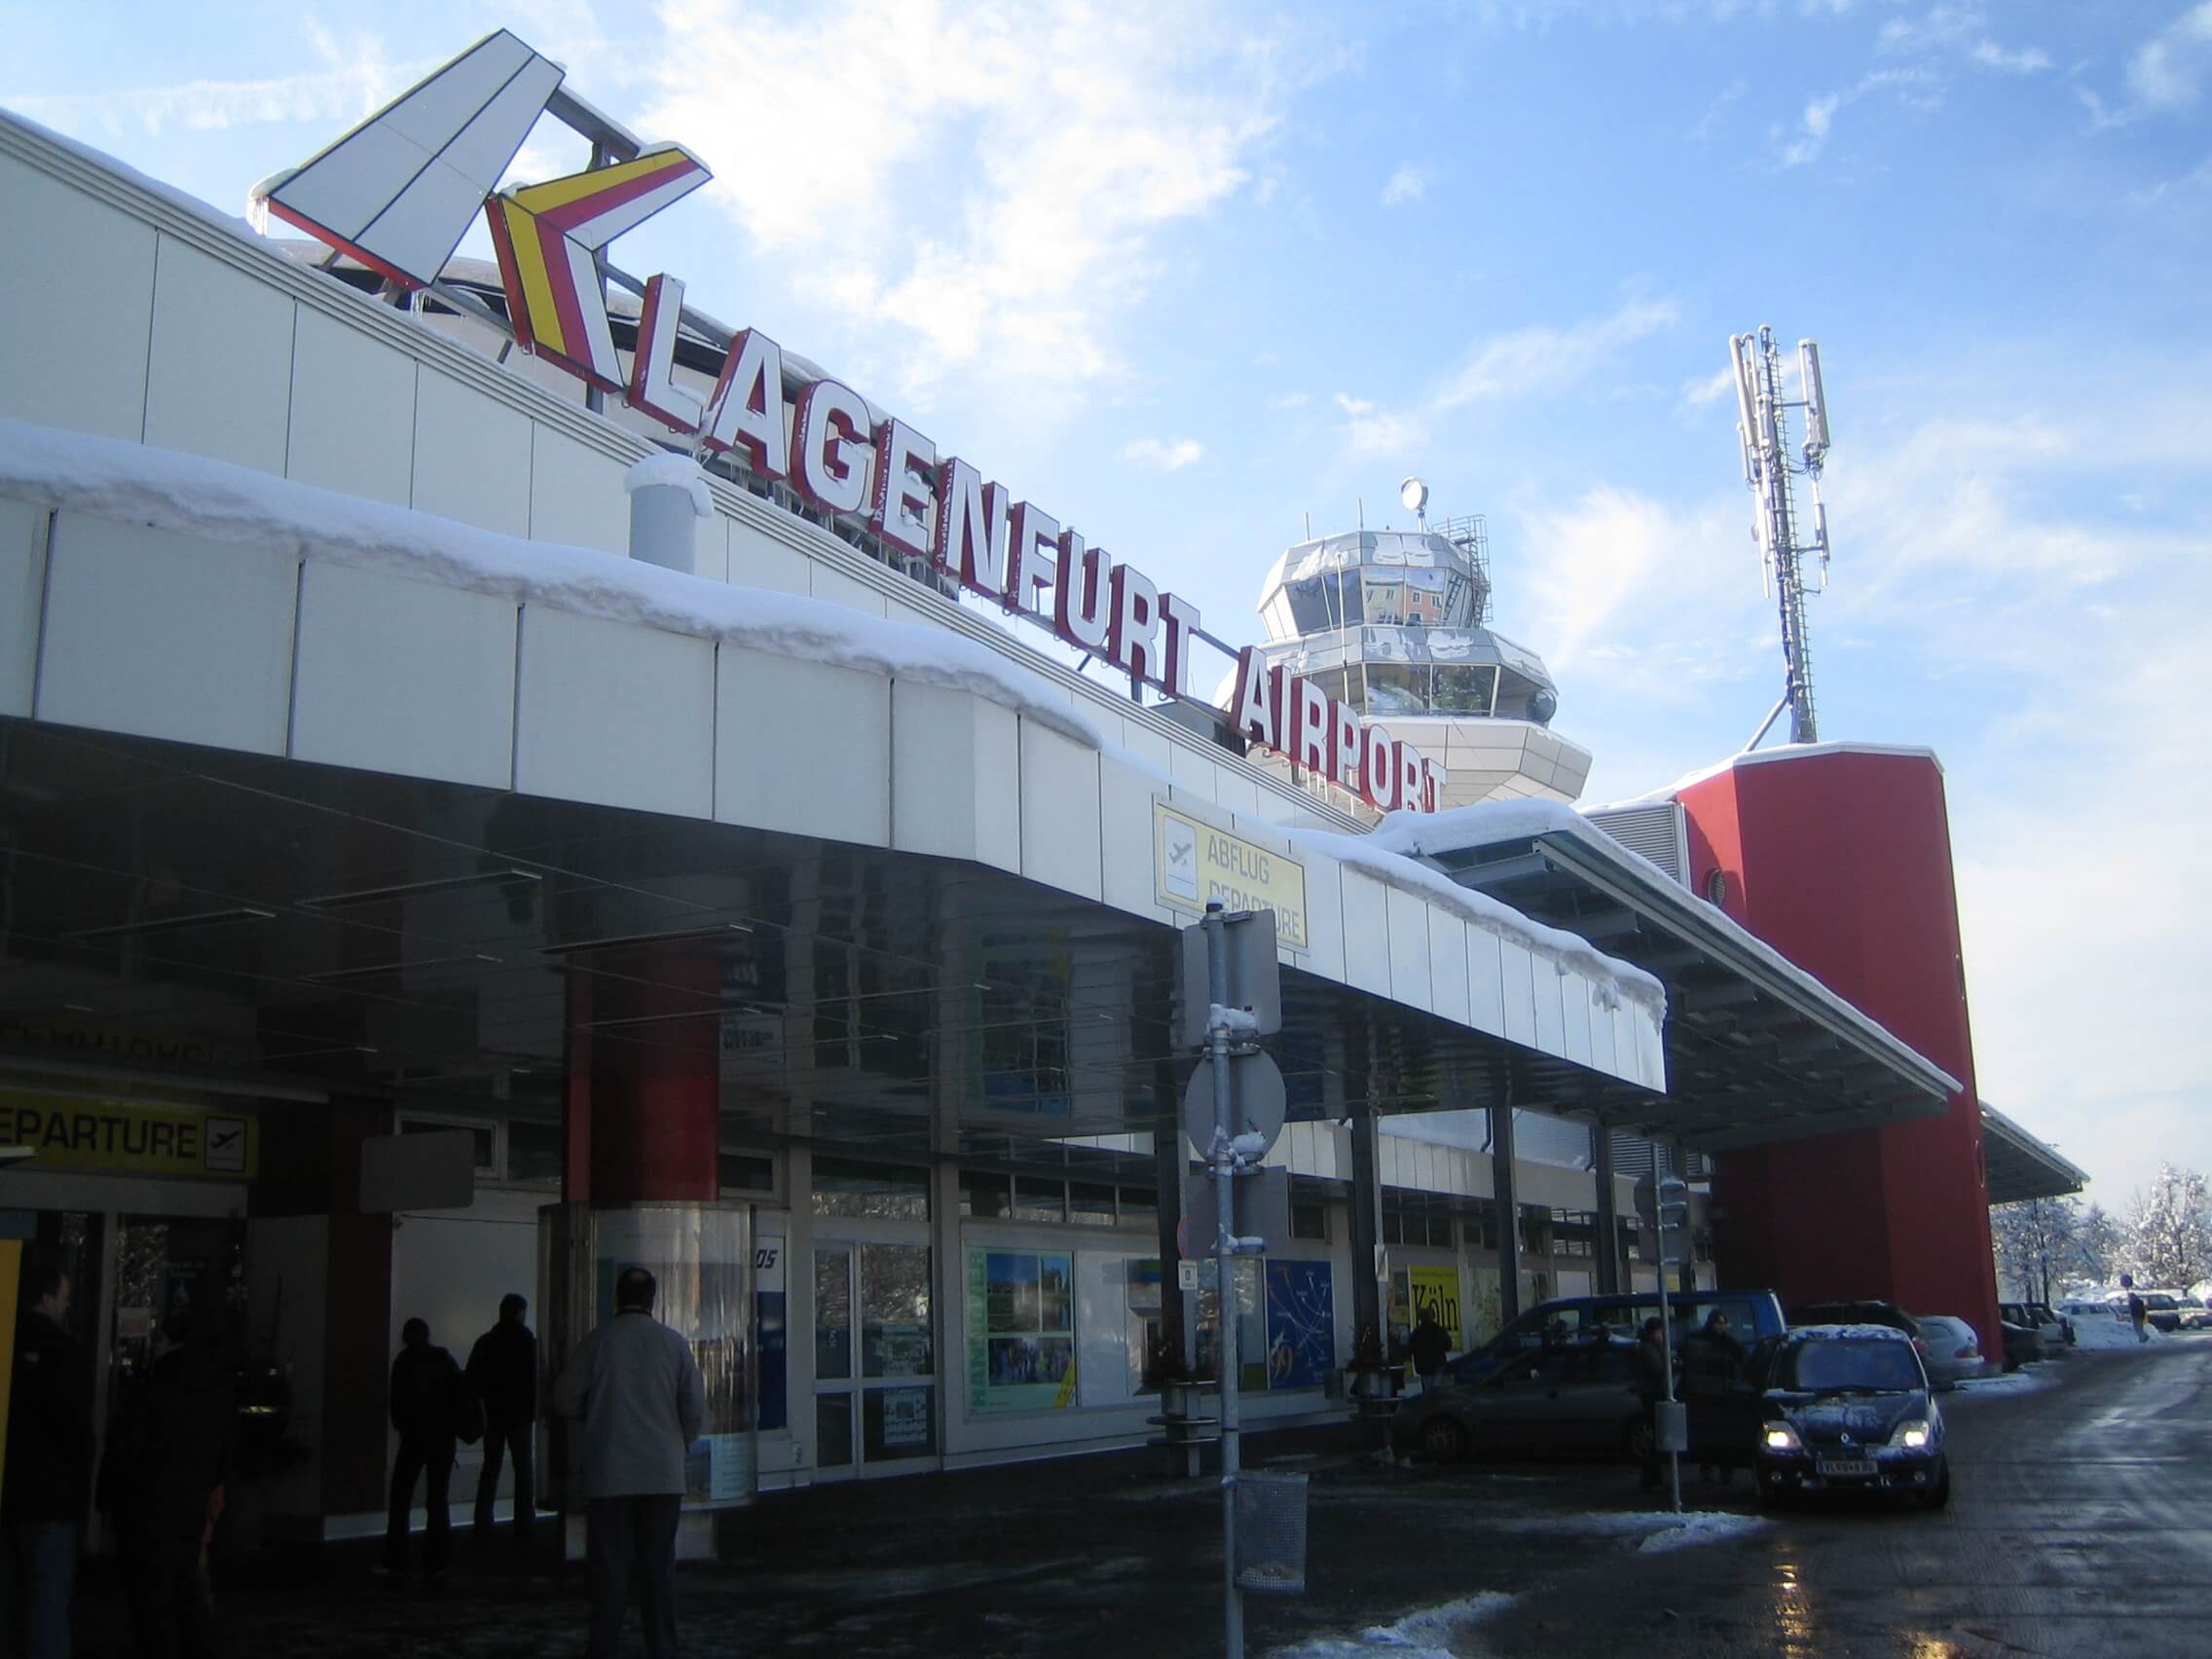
(1762, 429)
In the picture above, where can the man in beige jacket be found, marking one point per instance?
(637, 1389)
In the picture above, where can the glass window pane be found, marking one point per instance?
(1424, 598)
(745, 1172)
(533, 1152)
(1397, 688)
(833, 1314)
(1354, 613)
(845, 1187)
(985, 1195)
(1090, 1204)
(1251, 1328)
(1466, 688)
(899, 1422)
(833, 1430)
(1309, 605)
(895, 1310)
(1039, 1201)
(1309, 1220)
(1138, 1206)
(1385, 601)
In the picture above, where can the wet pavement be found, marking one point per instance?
(2081, 1524)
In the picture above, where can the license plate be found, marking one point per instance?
(1847, 1468)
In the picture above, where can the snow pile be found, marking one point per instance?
(1239, 1023)
(1680, 1531)
(679, 471)
(2092, 1332)
(2006, 1382)
(1425, 1634)
(217, 501)
(229, 223)
(1488, 823)
(1379, 856)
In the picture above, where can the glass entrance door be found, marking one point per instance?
(875, 1358)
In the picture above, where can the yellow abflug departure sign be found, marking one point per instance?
(67, 1131)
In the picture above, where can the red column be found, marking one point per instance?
(644, 1114)
(1842, 860)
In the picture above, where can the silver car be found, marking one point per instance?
(1952, 1352)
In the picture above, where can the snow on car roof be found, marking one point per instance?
(1847, 1334)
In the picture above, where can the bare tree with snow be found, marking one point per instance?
(2097, 1245)
(2170, 1229)
(2035, 1238)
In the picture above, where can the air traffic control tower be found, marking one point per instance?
(1394, 622)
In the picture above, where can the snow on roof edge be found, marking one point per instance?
(1758, 756)
(213, 215)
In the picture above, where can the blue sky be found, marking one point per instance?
(1185, 274)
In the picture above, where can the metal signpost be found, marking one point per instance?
(1664, 1204)
(1237, 999)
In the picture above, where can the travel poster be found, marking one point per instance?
(1020, 1330)
(1302, 1324)
(1436, 1292)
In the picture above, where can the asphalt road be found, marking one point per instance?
(2081, 1524)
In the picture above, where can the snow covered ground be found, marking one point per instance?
(2009, 1382)
(2093, 1332)
(1425, 1633)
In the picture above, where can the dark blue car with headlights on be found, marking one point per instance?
(1848, 1409)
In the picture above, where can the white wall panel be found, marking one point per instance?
(77, 287)
(1599, 1018)
(758, 560)
(614, 713)
(1546, 981)
(1193, 774)
(1409, 946)
(471, 456)
(1239, 794)
(955, 776)
(22, 583)
(1145, 745)
(1447, 966)
(575, 494)
(352, 412)
(1486, 985)
(1325, 918)
(1575, 1011)
(1125, 845)
(825, 774)
(840, 589)
(1059, 812)
(1366, 933)
(219, 374)
(162, 635)
(404, 677)
(1514, 964)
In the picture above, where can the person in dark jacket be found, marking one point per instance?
(425, 1408)
(48, 1470)
(1652, 1366)
(1429, 1344)
(169, 1450)
(503, 1372)
(1711, 1361)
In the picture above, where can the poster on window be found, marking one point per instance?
(1020, 1330)
(1436, 1293)
(1302, 1324)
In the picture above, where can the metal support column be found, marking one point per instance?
(1608, 1241)
(1366, 1225)
(1169, 1160)
(1507, 1198)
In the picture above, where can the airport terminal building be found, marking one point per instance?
(456, 844)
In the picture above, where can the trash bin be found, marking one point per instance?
(1270, 1534)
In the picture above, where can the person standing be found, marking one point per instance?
(168, 1453)
(1712, 1359)
(634, 1386)
(502, 1373)
(1651, 1364)
(48, 1470)
(1429, 1344)
(2138, 1310)
(425, 1410)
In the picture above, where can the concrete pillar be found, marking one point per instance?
(642, 1118)
(1608, 1241)
(1506, 1196)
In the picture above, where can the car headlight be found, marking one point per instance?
(1780, 1437)
(1913, 1434)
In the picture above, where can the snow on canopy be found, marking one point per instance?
(1487, 824)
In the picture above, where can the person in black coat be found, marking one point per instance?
(1429, 1344)
(425, 1408)
(48, 1470)
(171, 1448)
(1653, 1369)
(503, 1373)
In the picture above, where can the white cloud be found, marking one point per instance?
(357, 80)
(1703, 393)
(1710, 123)
(1942, 27)
(1292, 400)
(1410, 183)
(1369, 431)
(1167, 455)
(2166, 75)
(2028, 62)
(995, 177)
(1542, 358)
(1920, 89)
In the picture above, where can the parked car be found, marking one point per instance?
(2094, 1308)
(2195, 1312)
(1887, 1313)
(2161, 1309)
(1569, 1321)
(1950, 1350)
(1576, 1398)
(2048, 1324)
(1848, 1409)
(2023, 1344)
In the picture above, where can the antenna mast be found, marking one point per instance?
(1763, 430)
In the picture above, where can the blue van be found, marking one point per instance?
(1568, 1321)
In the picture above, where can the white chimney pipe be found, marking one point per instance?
(668, 497)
